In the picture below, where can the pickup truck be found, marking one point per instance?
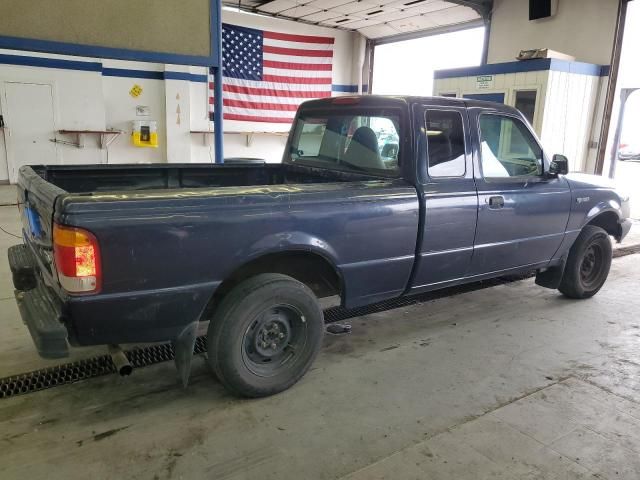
(376, 197)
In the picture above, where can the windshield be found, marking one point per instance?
(360, 142)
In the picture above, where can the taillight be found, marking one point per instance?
(77, 258)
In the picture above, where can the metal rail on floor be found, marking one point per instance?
(144, 356)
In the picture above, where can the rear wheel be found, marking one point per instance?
(265, 335)
(588, 263)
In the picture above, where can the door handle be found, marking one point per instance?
(496, 202)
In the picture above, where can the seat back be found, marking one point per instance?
(363, 150)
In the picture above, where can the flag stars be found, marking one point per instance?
(242, 56)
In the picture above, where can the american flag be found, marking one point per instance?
(266, 75)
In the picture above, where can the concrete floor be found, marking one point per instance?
(511, 382)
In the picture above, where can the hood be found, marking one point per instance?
(584, 180)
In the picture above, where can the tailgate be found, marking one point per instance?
(36, 201)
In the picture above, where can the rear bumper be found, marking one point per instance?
(39, 307)
(56, 323)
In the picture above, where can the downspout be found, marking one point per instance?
(217, 87)
(360, 60)
(487, 36)
(370, 51)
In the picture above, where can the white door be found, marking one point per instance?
(29, 126)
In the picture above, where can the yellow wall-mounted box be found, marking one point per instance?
(145, 133)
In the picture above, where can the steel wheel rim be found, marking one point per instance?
(591, 265)
(274, 339)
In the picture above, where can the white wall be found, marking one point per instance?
(582, 28)
(92, 101)
(77, 104)
(87, 100)
(570, 108)
(566, 104)
(508, 84)
(120, 111)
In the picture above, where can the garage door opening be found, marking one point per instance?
(626, 162)
(623, 146)
(406, 67)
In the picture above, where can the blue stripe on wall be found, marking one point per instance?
(190, 77)
(536, 65)
(124, 72)
(24, 60)
(344, 88)
(129, 73)
(348, 88)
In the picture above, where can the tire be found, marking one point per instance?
(265, 335)
(588, 264)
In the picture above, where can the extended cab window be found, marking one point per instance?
(355, 142)
(508, 149)
(445, 143)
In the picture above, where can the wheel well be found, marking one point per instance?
(608, 221)
(312, 269)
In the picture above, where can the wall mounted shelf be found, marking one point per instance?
(106, 137)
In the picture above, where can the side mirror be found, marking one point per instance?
(559, 165)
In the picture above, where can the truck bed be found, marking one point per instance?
(107, 178)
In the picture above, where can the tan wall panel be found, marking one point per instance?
(169, 26)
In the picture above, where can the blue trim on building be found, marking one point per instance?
(64, 48)
(344, 88)
(347, 88)
(97, 67)
(577, 67)
(535, 65)
(128, 73)
(487, 97)
(190, 77)
(27, 61)
(24, 60)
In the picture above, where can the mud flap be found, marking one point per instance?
(551, 277)
(183, 345)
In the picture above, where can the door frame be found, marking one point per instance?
(487, 186)
(4, 108)
(437, 188)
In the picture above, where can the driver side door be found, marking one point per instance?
(522, 214)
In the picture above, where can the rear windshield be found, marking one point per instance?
(359, 141)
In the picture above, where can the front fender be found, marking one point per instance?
(605, 206)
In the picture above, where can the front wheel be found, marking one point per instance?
(588, 263)
(265, 335)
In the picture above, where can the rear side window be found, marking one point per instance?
(445, 143)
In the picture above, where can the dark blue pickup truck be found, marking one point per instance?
(376, 197)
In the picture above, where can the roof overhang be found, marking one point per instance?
(377, 19)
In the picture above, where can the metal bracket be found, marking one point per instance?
(106, 137)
